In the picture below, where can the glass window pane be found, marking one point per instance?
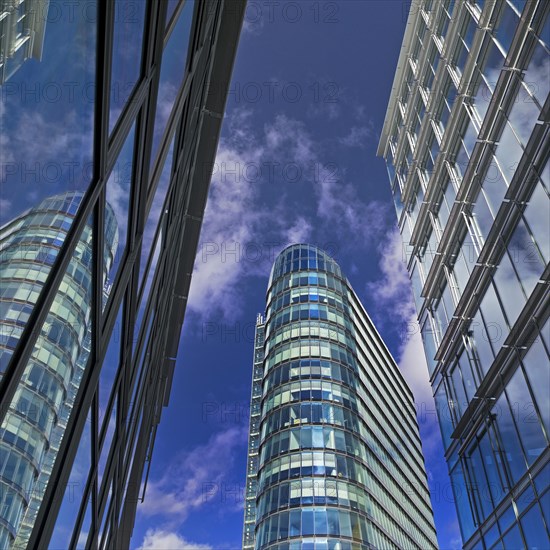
(536, 367)
(155, 212)
(74, 492)
(527, 420)
(119, 192)
(172, 72)
(536, 76)
(127, 47)
(534, 531)
(53, 373)
(509, 439)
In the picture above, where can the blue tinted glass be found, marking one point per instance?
(462, 502)
(528, 424)
(533, 529)
(118, 189)
(173, 71)
(506, 27)
(512, 539)
(509, 438)
(127, 47)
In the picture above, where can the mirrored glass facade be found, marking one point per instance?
(340, 460)
(466, 142)
(107, 151)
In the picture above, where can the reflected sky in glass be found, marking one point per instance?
(118, 191)
(127, 48)
(46, 113)
(172, 72)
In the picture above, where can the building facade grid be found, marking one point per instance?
(466, 144)
(340, 456)
(108, 433)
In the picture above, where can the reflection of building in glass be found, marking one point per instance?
(22, 27)
(466, 141)
(340, 460)
(34, 425)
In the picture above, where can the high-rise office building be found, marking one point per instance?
(466, 141)
(340, 460)
(35, 422)
(124, 108)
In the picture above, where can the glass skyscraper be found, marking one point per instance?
(124, 110)
(35, 422)
(340, 461)
(466, 141)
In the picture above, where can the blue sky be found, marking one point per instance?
(296, 162)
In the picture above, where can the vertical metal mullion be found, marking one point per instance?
(106, 25)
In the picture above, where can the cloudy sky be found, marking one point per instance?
(296, 162)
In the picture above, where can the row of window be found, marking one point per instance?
(305, 295)
(303, 312)
(14, 470)
(296, 258)
(343, 467)
(314, 491)
(322, 437)
(310, 390)
(306, 278)
(310, 413)
(310, 367)
(26, 437)
(305, 348)
(305, 411)
(324, 521)
(303, 330)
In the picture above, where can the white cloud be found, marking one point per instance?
(299, 231)
(392, 293)
(337, 200)
(237, 227)
(157, 539)
(195, 478)
(357, 137)
(231, 222)
(5, 207)
(393, 290)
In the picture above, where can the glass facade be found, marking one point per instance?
(107, 153)
(340, 460)
(466, 140)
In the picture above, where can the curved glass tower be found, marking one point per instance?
(34, 425)
(340, 459)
